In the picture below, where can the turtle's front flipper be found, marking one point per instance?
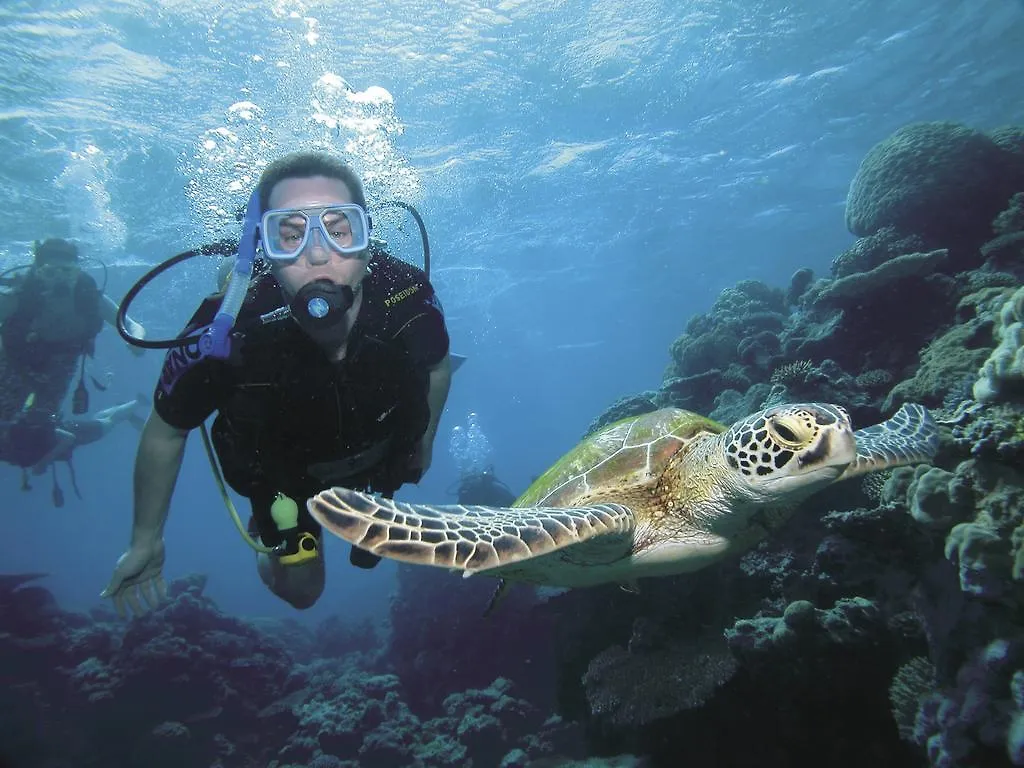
(909, 437)
(465, 538)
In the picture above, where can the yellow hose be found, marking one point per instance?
(227, 499)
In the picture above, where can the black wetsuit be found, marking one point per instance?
(56, 316)
(292, 421)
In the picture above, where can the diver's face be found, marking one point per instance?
(61, 274)
(57, 269)
(317, 260)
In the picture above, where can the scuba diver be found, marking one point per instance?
(51, 313)
(471, 452)
(484, 488)
(326, 361)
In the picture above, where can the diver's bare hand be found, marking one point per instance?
(139, 571)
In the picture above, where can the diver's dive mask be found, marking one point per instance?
(285, 232)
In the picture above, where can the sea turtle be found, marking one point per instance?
(663, 493)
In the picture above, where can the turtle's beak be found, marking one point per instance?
(834, 449)
(801, 483)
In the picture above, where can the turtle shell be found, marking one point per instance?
(629, 454)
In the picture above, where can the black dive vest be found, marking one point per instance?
(294, 422)
(36, 296)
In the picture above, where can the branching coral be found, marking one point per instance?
(792, 373)
(910, 684)
(874, 379)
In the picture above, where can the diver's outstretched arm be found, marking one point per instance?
(139, 571)
(108, 418)
(89, 430)
(157, 464)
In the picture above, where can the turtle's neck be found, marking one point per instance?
(690, 488)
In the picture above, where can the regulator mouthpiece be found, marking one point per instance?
(322, 304)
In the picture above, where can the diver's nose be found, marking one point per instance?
(317, 252)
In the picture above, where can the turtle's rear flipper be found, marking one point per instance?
(464, 538)
(909, 437)
(360, 558)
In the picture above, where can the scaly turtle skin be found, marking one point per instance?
(663, 493)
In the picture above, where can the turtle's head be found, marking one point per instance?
(790, 451)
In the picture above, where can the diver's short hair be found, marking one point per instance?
(55, 250)
(305, 164)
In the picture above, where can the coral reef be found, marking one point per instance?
(970, 723)
(1010, 220)
(942, 182)
(849, 621)
(1003, 253)
(859, 321)
(951, 356)
(430, 649)
(631, 405)
(186, 685)
(1002, 375)
(853, 289)
(873, 251)
(655, 676)
(740, 332)
(916, 578)
(911, 683)
(798, 284)
(796, 372)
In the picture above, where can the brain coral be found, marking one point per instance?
(942, 181)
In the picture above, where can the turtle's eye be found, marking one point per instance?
(791, 433)
(785, 433)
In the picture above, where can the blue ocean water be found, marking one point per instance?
(592, 174)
